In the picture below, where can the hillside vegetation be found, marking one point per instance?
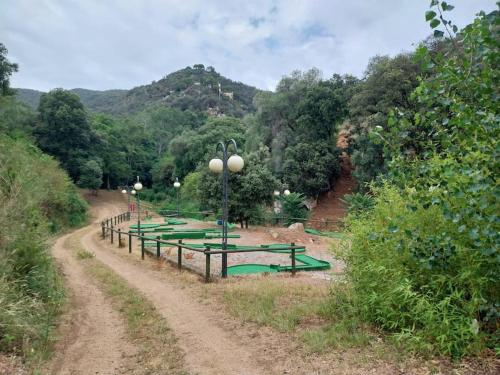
(38, 200)
(192, 88)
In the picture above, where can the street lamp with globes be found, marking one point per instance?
(277, 202)
(233, 163)
(127, 191)
(177, 186)
(137, 189)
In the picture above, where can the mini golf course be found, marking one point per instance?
(306, 262)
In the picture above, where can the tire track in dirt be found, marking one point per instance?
(94, 337)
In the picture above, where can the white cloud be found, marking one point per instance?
(102, 44)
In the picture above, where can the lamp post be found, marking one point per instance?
(233, 163)
(137, 189)
(277, 203)
(127, 191)
(177, 186)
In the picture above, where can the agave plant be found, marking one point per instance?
(294, 208)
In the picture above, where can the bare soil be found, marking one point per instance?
(93, 333)
(330, 210)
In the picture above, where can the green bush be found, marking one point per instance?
(37, 198)
(424, 263)
(358, 202)
(434, 286)
(294, 208)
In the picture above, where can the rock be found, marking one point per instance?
(297, 226)
(274, 234)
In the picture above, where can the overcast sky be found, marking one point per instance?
(104, 44)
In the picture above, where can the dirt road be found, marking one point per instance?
(93, 332)
(97, 343)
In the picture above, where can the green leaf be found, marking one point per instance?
(429, 15)
(438, 34)
(435, 23)
(446, 6)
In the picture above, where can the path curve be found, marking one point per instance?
(94, 337)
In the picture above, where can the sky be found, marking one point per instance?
(111, 44)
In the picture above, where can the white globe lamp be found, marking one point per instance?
(286, 192)
(138, 186)
(133, 192)
(215, 165)
(276, 193)
(235, 163)
(124, 191)
(177, 184)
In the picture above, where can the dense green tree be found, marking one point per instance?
(63, 130)
(110, 137)
(194, 147)
(165, 123)
(6, 70)
(163, 173)
(309, 168)
(91, 176)
(299, 123)
(16, 119)
(388, 83)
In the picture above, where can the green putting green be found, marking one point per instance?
(171, 221)
(245, 269)
(195, 234)
(134, 226)
(308, 264)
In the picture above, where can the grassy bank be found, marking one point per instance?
(38, 200)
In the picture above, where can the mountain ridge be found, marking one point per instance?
(195, 88)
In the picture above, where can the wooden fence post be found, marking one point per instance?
(293, 259)
(207, 265)
(112, 235)
(129, 243)
(158, 246)
(142, 247)
(179, 255)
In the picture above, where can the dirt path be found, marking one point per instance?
(209, 348)
(96, 344)
(94, 333)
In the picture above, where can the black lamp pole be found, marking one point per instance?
(224, 146)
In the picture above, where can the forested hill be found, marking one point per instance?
(195, 88)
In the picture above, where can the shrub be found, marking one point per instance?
(294, 208)
(358, 202)
(434, 286)
(37, 197)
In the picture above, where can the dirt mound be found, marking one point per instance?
(330, 210)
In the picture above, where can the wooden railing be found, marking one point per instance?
(108, 229)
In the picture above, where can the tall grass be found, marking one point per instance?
(37, 199)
